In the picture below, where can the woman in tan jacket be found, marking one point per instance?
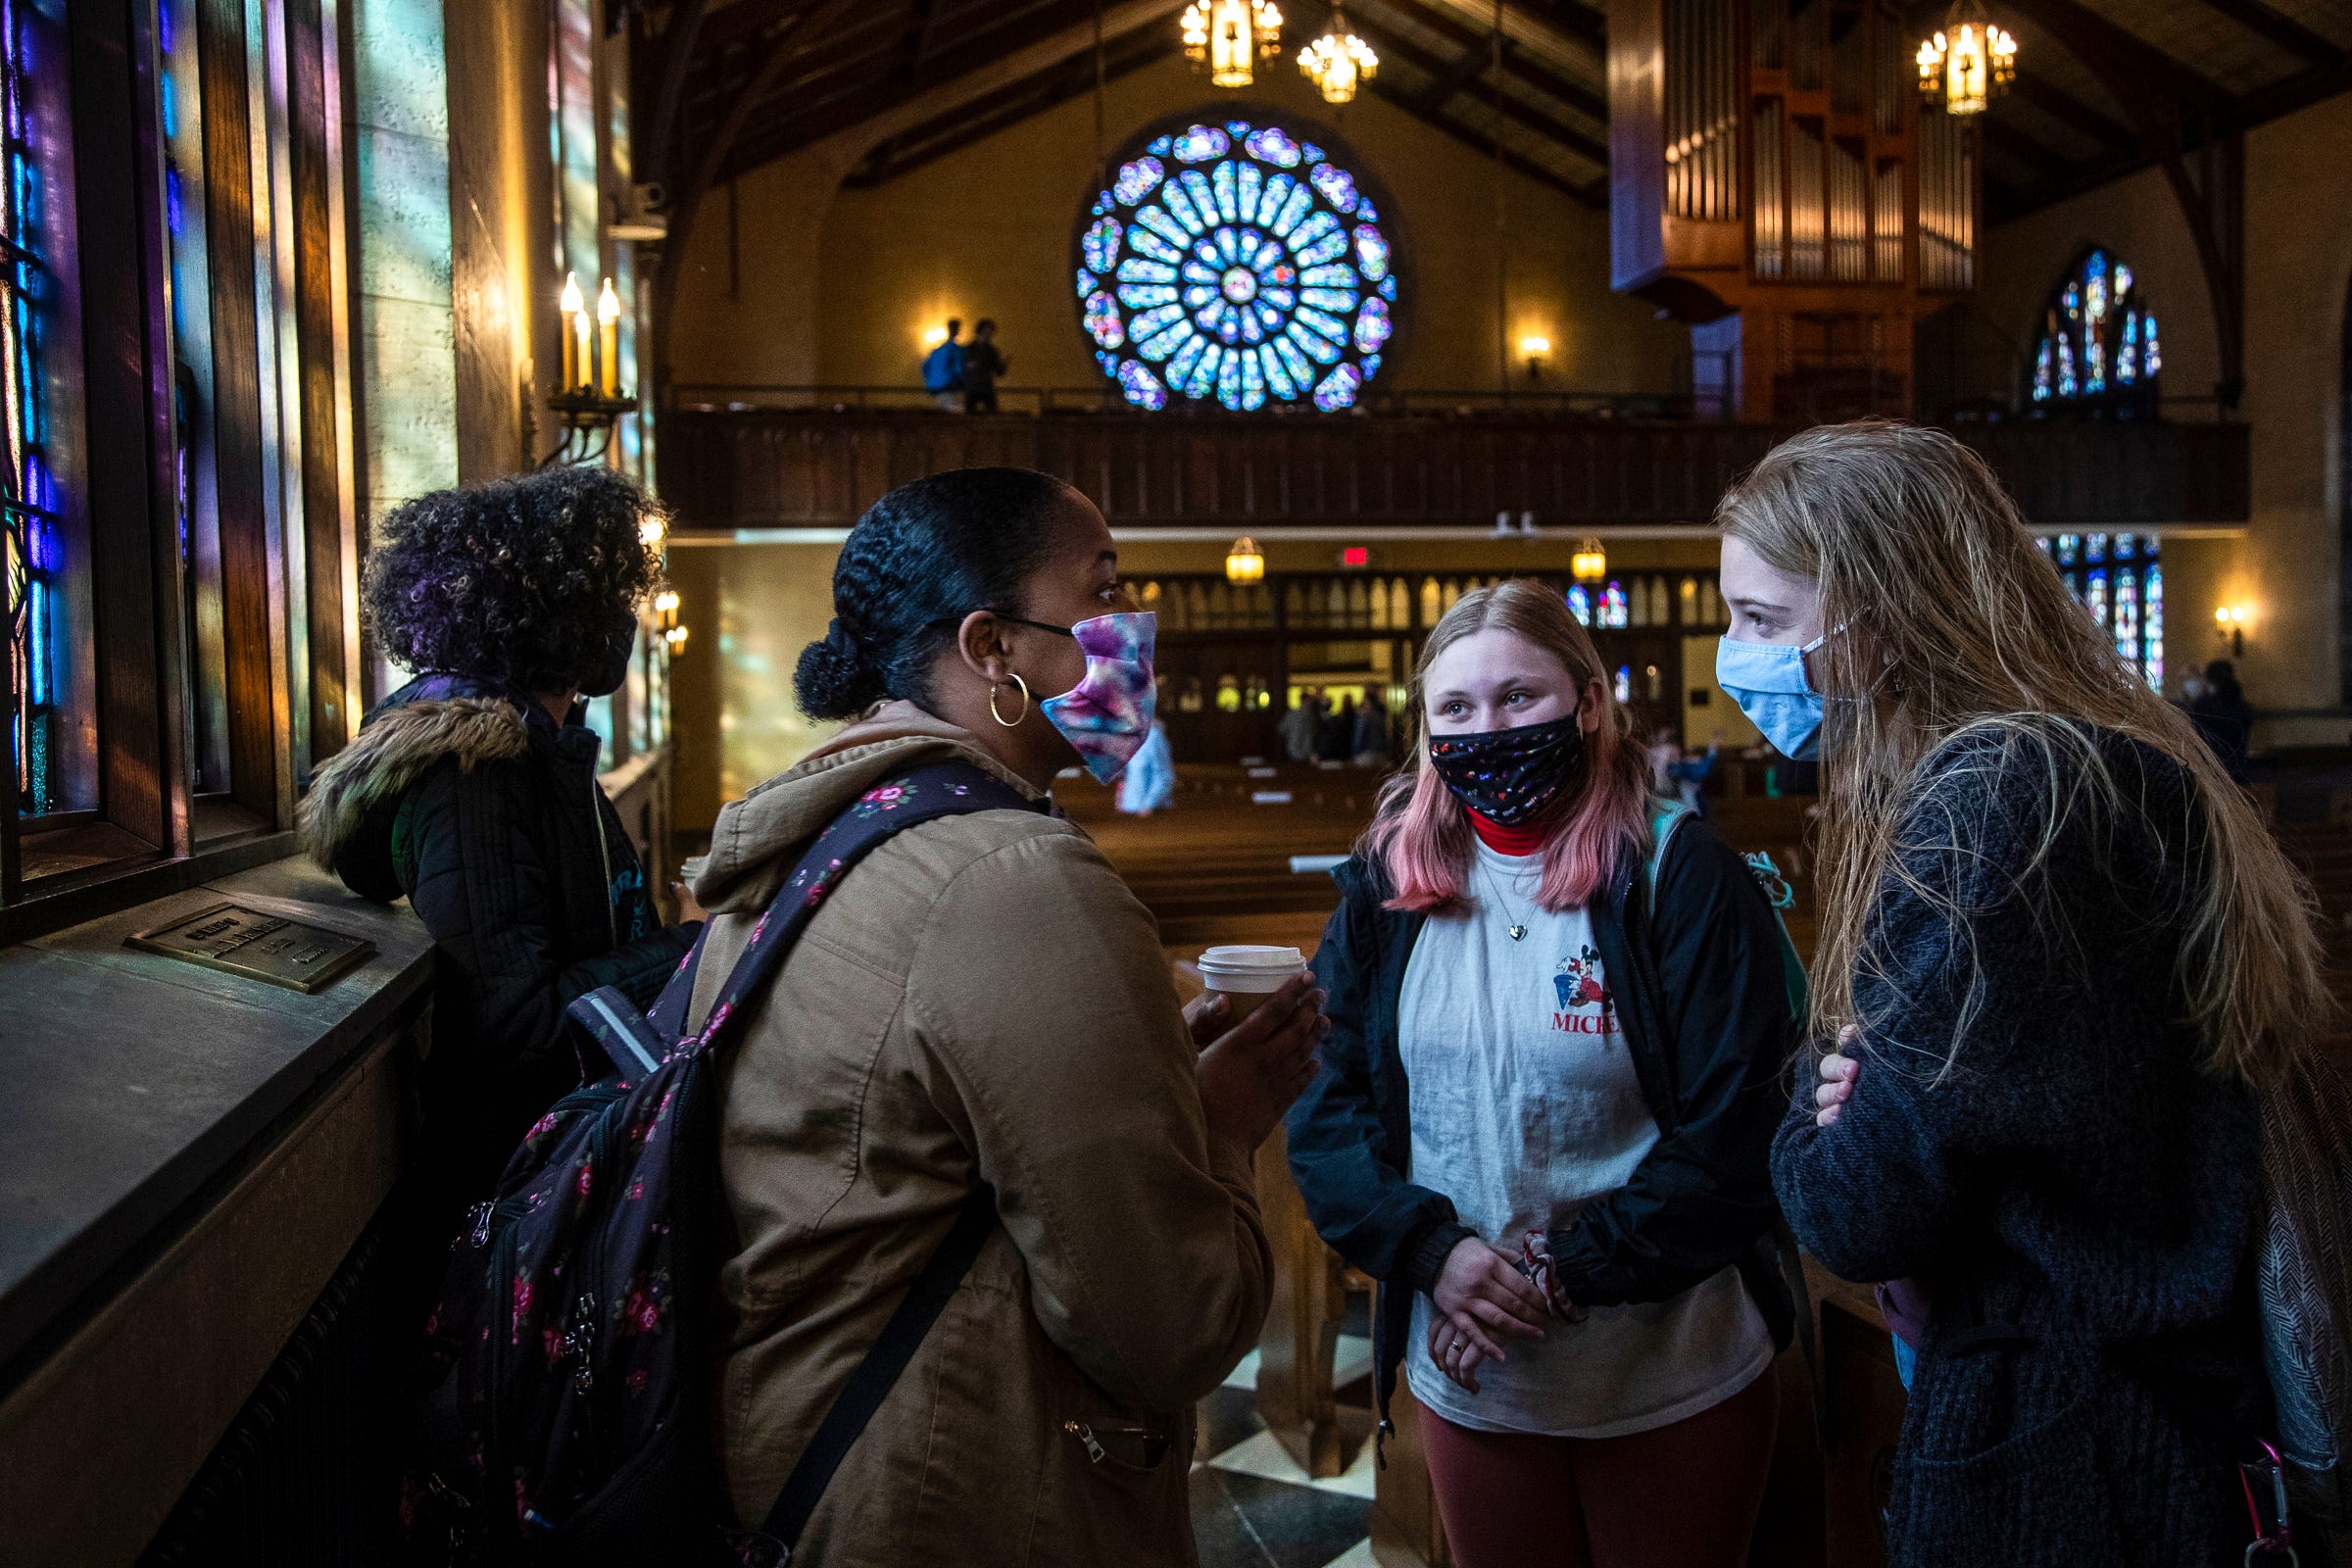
(983, 1001)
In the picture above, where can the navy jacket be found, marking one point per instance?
(1702, 996)
(2073, 1194)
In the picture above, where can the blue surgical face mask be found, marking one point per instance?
(1768, 682)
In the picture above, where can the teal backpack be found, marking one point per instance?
(1668, 816)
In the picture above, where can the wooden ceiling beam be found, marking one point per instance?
(835, 97)
(1516, 60)
(2072, 112)
(999, 111)
(1445, 74)
(2276, 26)
(677, 53)
(1596, 195)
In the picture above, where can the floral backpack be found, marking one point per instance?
(566, 1417)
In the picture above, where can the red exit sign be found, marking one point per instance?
(1355, 556)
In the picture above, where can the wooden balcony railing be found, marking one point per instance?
(820, 467)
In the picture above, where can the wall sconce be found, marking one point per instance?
(2230, 625)
(1590, 563)
(1535, 348)
(665, 606)
(934, 336)
(591, 398)
(675, 637)
(1244, 562)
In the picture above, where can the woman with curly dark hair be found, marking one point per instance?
(472, 789)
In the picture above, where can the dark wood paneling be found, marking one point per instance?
(127, 411)
(315, 318)
(236, 393)
(782, 468)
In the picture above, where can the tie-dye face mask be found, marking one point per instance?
(1107, 715)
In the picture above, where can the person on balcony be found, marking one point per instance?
(983, 362)
(943, 370)
(473, 791)
(1549, 1091)
(2059, 958)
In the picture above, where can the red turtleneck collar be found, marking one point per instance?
(1528, 838)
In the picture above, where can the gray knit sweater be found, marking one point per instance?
(2076, 1198)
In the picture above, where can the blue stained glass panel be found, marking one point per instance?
(1245, 282)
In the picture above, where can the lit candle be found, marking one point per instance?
(607, 332)
(574, 308)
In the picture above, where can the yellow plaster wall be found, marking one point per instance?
(2298, 264)
(986, 232)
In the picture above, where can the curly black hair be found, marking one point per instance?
(519, 579)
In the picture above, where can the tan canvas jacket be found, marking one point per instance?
(981, 1000)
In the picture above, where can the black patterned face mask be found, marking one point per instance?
(1508, 775)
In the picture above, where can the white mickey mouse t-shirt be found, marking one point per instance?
(1525, 1106)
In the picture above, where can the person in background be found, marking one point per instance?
(1677, 775)
(1372, 732)
(2223, 716)
(1298, 728)
(1335, 736)
(943, 370)
(472, 791)
(2059, 955)
(982, 1001)
(983, 362)
(1150, 782)
(1549, 1092)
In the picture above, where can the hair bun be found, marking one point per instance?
(834, 679)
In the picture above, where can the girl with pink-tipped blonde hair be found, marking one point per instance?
(1558, 1019)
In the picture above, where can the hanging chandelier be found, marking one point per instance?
(1339, 62)
(1969, 61)
(1244, 562)
(1229, 36)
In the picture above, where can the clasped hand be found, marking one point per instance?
(1839, 1073)
(1482, 1298)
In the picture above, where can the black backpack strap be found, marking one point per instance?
(863, 1394)
(636, 1043)
(949, 789)
(942, 789)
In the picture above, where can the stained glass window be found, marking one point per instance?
(1580, 604)
(1612, 605)
(2119, 579)
(29, 538)
(2099, 340)
(1237, 263)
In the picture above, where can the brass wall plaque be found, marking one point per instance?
(269, 948)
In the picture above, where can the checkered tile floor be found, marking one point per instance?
(1255, 1508)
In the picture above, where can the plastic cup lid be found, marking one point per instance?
(1246, 959)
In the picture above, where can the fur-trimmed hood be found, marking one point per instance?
(407, 735)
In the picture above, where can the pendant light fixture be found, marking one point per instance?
(1229, 37)
(1339, 62)
(1244, 562)
(1968, 62)
(1590, 563)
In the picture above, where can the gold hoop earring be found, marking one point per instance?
(1014, 723)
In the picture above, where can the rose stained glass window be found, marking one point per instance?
(1236, 264)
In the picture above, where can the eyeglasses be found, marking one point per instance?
(1017, 621)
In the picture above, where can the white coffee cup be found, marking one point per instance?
(1245, 976)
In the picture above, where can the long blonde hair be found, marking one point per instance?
(1422, 834)
(1957, 628)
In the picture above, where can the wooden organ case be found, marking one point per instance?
(1775, 183)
